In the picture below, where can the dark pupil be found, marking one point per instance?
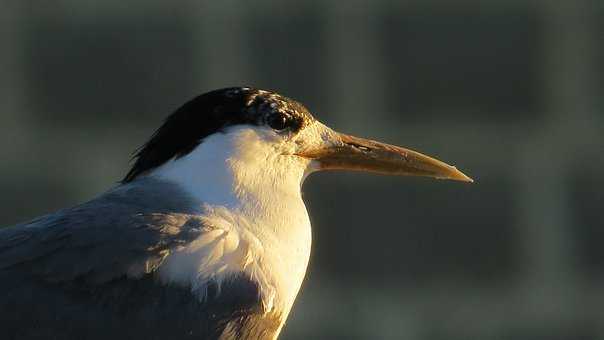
(277, 122)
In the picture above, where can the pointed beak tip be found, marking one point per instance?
(468, 180)
(457, 175)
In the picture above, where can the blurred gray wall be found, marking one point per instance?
(511, 91)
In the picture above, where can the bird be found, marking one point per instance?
(206, 237)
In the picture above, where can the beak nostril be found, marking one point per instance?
(360, 147)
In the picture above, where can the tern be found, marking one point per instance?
(206, 237)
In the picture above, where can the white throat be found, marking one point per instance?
(249, 189)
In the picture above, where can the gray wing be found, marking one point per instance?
(89, 273)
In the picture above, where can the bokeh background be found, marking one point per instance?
(510, 91)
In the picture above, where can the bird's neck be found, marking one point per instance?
(260, 193)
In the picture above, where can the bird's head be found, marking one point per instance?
(263, 134)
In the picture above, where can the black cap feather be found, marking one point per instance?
(210, 113)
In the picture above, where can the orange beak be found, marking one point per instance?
(359, 154)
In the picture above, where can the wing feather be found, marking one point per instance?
(90, 272)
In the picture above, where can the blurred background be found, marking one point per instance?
(510, 91)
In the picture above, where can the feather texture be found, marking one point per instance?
(91, 272)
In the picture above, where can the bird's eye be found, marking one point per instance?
(278, 121)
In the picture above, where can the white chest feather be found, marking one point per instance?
(255, 219)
